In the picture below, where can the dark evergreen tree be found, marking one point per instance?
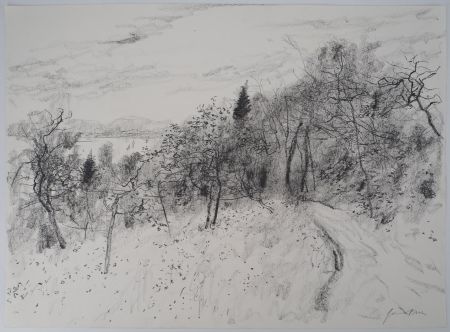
(243, 105)
(89, 170)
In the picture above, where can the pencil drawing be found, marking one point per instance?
(226, 166)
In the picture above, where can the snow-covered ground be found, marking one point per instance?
(309, 265)
(393, 276)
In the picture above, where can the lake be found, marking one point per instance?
(121, 145)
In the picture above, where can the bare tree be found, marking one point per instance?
(287, 125)
(409, 87)
(50, 160)
(344, 115)
(120, 183)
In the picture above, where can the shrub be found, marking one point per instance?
(426, 188)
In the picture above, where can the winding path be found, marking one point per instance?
(321, 301)
(376, 274)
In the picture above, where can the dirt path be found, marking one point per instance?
(377, 278)
(321, 302)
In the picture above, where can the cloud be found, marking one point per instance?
(221, 72)
(424, 15)
(364, 23)
(425, 37)
(194, 61)
(145, 26)
(90, 68)
(43, 82)
(96, 67)
(134, 37)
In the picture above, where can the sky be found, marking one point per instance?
(161, 61)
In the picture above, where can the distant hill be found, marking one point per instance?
(85, 126)
(136, 125)
(131, 126)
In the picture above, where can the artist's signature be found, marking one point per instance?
(402, 311)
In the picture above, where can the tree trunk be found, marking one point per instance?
(164, 209)
(109, 234)
(312, 164)
(430, 122)
(429, 118)
(290, 157)
(88, 211)
(216, 210)
(361, 164)
(303, 184)
(287, 176)
(46, 204)
(368, 185)
(208, 216)
(54, 224)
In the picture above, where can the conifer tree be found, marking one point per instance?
(89, 170)
(243, 106)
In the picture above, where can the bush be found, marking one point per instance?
(426, 188)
